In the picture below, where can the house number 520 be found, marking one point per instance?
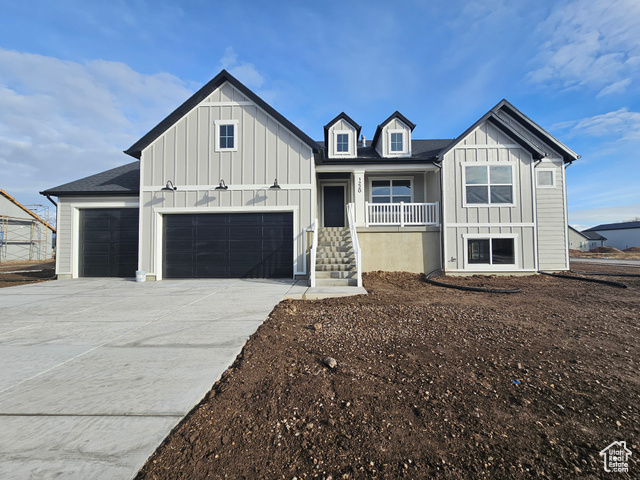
(360, 185)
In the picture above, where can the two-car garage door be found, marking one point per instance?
(221, 245)
(212, 245)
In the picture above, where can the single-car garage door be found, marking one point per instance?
(108, 242)
(228, 245)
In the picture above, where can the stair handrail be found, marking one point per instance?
(354, 239)
(314, 249)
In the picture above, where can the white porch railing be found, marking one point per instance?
(314, 249)
(402, 214)
(351, 218)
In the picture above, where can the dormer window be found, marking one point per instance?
(396, 142)
(342, 143)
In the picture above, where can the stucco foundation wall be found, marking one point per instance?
(400, 251)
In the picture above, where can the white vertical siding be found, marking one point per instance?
(186, 154)
(486, 144)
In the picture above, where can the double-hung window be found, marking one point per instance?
(396, 142)
(342, 143)
(391, 191)
(488, 184)
(226, 132)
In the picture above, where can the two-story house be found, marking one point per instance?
(225, 186)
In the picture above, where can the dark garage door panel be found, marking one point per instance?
(108, 242)
(223, 245)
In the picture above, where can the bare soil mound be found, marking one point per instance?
(632, 250)
(605, 250)
(430, 382)
(20, 273)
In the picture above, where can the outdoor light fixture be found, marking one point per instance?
(222, 185)
(169, 187)
(275, 185)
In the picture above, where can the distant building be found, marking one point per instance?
(595, 240)
(23, 234)
(578, 240)
(619, 235)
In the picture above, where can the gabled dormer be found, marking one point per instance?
(341, 137)
(393, 136)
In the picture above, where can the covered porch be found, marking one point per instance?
(380, 196)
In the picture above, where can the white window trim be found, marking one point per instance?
(349, 134)
(488, 164)
(405, 142)
(236, 137)
(483, 267)
(553, 177)
(372, 179)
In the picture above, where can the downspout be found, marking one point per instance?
(49, 198)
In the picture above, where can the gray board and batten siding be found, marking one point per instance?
(536, 222)
(186, 154)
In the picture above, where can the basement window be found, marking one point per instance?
(491, 251)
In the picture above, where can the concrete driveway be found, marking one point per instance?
(94, 373)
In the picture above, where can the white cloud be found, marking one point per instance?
(620, 125)
(594, 216)
(590, 44)
(62, 120)
(243, 71)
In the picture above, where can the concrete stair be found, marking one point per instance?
(335, 259)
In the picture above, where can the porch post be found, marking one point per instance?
(358, 188)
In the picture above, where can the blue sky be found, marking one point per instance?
(80, 81)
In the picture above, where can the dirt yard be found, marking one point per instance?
(429, 383)
(629, 254)
(20, 273)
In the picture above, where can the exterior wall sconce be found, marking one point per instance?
(169, 187)
(222, 185)
(275, 185)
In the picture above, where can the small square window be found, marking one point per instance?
(396, 142)
(226, 136)
(546, 178)
(342, 142)
(226, 133)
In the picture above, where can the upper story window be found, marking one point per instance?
(546, 178)
(342, 143)
(226, 132)
(396, 143)
(488, 184)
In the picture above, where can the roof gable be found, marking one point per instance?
(568, 155)
(496, 121)
(135, 150)
(19, 205)
(397, 115)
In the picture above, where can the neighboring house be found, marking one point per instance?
(578, 240)
(23, 234)
(225, 186)
(619, 235)
(595, 240)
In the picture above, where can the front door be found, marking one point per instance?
(333, 205)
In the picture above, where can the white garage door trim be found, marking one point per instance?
(75, 227)
(158, 227)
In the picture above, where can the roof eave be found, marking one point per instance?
(136, 149)
(568, 155)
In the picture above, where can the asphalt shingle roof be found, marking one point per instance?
(422, 151)
(124, 180)
(614, 226)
